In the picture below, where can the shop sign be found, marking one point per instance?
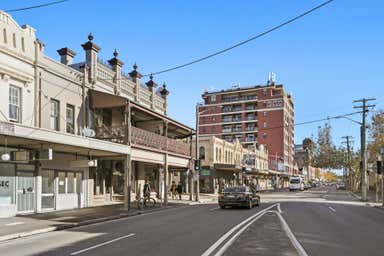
(205, 172)
(4, 184)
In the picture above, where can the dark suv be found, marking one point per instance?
(239, 196)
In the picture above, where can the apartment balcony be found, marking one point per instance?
(231, 119)
(241, 98)
(250, 139)
(227, 130)
(250, 128)
(250, 118)
(251, 108)
(226, 110)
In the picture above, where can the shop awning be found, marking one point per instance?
(105, 100)
(227, 167)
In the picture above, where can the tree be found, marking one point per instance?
(326, 155)
(376, 135)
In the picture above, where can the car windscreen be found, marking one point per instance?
(295, 181)
(234, 189)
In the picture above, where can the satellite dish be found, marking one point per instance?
(87, 132)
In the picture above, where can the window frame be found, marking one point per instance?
(17, 89)
(70, 121)
(57, 117)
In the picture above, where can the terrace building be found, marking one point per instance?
(79, 134)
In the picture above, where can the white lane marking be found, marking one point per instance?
(238, 233)
(300, 250)
(279, 208)
(331, 208)
(226, 235)
(102, 244)
(14, 223)
(214, 209)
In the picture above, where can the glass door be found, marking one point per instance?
(48, 190)
(25, 192)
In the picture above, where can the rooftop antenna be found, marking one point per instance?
(271, 78)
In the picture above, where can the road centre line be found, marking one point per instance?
(102, 244)
(300, 250)
(226, 235)
(331, 208)
(238, 233)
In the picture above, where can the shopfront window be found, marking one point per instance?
(79, 181)
(61, 177)
(70, 182)
(7, 184)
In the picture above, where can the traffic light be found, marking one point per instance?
(197, 164)
(380, 167)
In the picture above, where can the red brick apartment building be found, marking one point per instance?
(257, 114)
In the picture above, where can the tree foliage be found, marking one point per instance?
(325, 153)
(376, 135)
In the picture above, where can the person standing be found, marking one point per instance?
(179, 190)
(146, 188)
(173, 189)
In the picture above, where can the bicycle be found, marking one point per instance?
(146, 201)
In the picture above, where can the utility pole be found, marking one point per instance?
(365, 110)
(347, 174)
(197, 153)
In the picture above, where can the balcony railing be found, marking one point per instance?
(149, 139)
(250, 118)
(242, 98)
(143, 138)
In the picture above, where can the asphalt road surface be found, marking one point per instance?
(322, 221)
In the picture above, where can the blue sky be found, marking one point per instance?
(326, 60)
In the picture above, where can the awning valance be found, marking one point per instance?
(105, 100)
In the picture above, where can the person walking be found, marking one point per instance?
(179, 190)
(173, 189)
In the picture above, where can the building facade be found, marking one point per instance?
(258, 114)
(77, 134)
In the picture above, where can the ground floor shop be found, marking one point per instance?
(108, 180)
(38, 186)
(215, 179)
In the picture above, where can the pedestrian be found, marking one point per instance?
(173, 189)
(146, 188)
(179, 189)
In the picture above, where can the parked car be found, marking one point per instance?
(241, 196)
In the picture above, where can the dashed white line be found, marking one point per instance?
(14, 223)
(331, 208)
(102, 244)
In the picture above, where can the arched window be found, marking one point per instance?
(202, 153)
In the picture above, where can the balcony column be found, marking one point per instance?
(127, 182)
(127, 122)
(165, 134)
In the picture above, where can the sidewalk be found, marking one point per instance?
(26, 225)
(371, 196)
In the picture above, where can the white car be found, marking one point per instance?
(296, 183)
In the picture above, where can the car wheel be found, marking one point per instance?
(222, 206)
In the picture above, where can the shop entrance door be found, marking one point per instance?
(25, 192)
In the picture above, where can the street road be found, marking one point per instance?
(321, 221)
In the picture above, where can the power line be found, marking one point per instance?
(245, 41)
(36, 6)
